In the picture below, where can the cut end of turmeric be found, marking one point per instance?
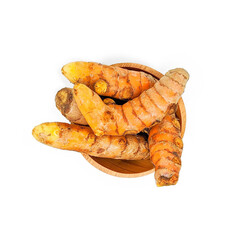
(100, 87)
(62, 94)
(63, 99)
(75, 71)
(162, 180)
(180, 71)
(67, 105)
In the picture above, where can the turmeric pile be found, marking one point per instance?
(102, 127)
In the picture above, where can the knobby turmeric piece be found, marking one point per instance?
(67, 105)
(166, 146)
(109, 80)
(109, 101)
(135, 115)
(82, 139)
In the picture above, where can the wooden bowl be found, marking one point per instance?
(134, 168)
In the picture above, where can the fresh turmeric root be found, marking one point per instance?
(109, 81)
(82, 139)
(165, 146)
(135, 115)
(67, 105)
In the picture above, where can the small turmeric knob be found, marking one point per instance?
(100, 87)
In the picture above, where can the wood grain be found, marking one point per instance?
(134, 168)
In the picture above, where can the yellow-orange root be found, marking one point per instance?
(82, 139)
(135, 115)
(166, 146)
(108, 80)
(67, 105)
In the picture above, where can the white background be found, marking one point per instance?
(46, 193)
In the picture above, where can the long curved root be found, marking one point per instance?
(108, 80)
(135, 115)
(82, 139)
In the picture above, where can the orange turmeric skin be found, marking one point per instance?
(108, 80)
(82, 139)
(135, 115)
(67, 105)
(166, 146)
